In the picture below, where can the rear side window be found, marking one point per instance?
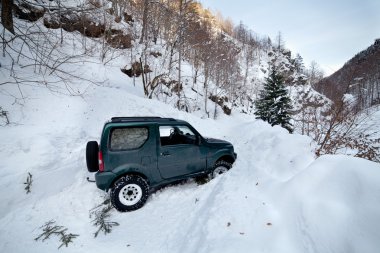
(128, 138)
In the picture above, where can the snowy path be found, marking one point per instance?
(277, 197)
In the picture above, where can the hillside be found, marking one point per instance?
(359, 77)
(180, 54)
(278, 197)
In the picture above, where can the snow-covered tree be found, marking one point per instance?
(298, 64)
(274, 104)
(314, 73)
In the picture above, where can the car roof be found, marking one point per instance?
(145, 119)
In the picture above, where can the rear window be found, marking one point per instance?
(128, 138)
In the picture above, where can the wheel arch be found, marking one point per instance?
(227, 158)
(131, 173)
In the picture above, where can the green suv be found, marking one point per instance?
(137, 155)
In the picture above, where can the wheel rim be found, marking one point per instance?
(219, 170)
(130, 194)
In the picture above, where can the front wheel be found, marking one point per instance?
(129, 193)
(220, 167)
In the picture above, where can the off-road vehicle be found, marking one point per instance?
(137, 155)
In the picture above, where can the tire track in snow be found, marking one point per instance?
(194, 235)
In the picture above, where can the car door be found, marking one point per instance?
(179, 153)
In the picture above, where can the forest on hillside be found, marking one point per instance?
(360, 77)
(179, 52)
(222, 52)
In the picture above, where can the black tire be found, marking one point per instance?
(220, 167)
(92, 161)
(129, 193)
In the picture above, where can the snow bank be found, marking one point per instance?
(276, 198)
(332, 206)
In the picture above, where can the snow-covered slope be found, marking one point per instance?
(277, 197)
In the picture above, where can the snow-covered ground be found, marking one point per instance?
(276, 198)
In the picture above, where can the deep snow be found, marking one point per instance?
(276, 198)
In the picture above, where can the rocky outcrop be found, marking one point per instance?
(73, 21)
(28, 12)
(135, 70)
(221, 102)
(86, 24)
(117, 39)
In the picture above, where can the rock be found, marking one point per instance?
(117, 39)
(28, 12)
(135, 70)
(72, 21)
(127, 18)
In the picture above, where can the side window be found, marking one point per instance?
(128, 138)
(175, 135)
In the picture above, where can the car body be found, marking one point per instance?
(157, 150)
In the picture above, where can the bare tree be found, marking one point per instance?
(280, 43)
(314, 73)
(144, 33)
(344, 132)
(41, 51)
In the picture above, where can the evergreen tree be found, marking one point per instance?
(298, 63)
(273, 104)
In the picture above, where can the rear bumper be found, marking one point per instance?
(104, 180)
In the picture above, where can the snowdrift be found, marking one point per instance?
(277, 197)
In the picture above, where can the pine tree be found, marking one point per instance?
(273, 104)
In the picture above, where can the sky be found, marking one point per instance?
(329, 32)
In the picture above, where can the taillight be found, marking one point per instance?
(101, 164)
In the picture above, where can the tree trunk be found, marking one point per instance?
(6, 15)
(145, 22)
(206, 88)
(146, 92)
(180, 34)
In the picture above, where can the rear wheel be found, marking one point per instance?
(92, 150)
(129, 193)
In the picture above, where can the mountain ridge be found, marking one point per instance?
(360, 77)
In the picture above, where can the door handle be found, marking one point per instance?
(165, 153)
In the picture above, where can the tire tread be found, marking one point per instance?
(129, 179)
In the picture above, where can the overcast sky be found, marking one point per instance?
(328, 31)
